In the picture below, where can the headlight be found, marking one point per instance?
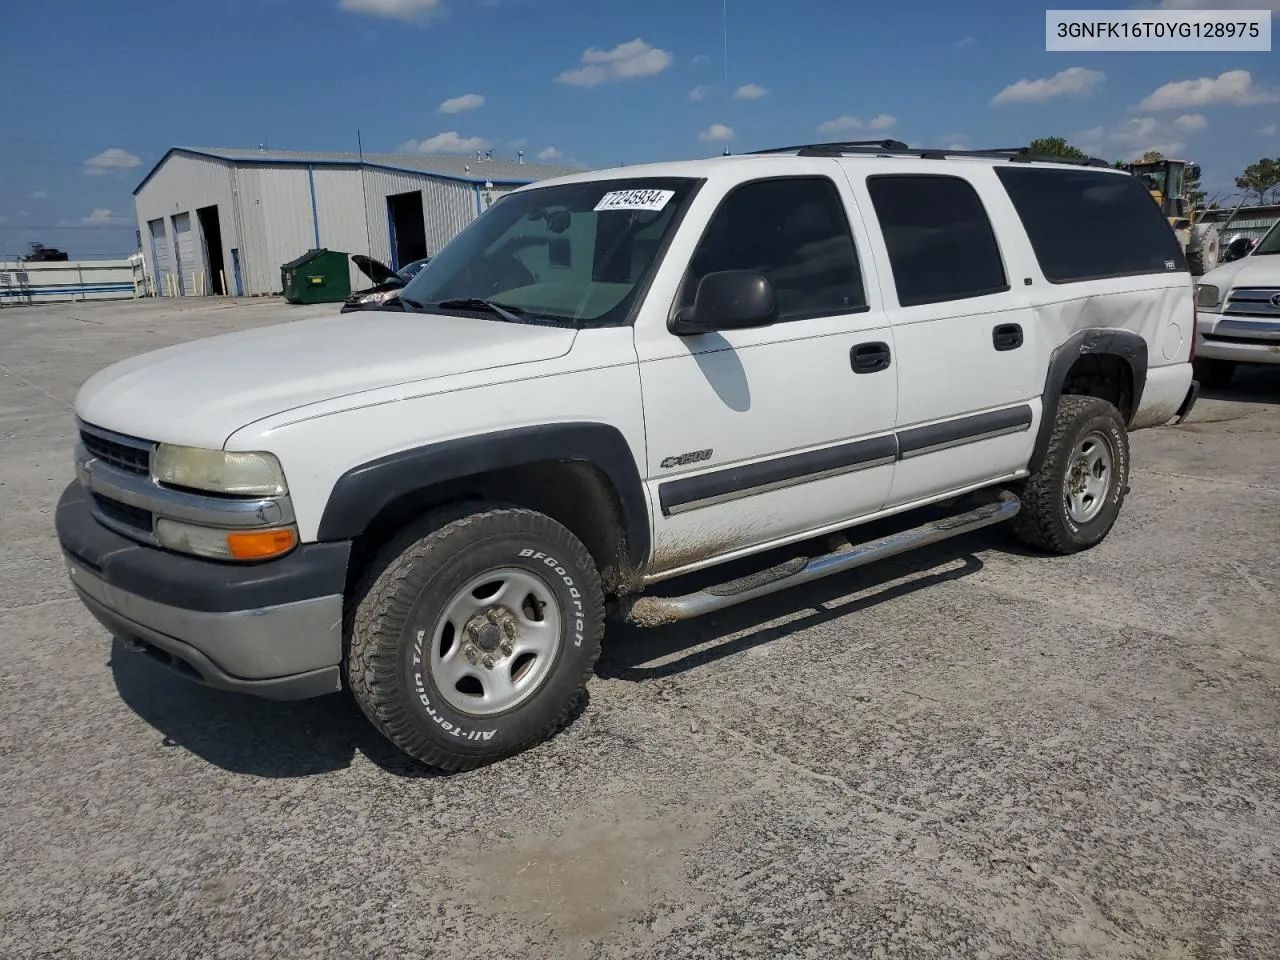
(218, 471)
(378, 297)
(1207, 295)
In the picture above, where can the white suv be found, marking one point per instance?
(1239, 313)
(607, 381)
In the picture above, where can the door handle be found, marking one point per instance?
(869, 357)
(1007, 336)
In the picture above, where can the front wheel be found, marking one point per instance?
(475, 637)
(1073, 500)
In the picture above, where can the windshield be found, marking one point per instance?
(573, 253)
(1270, 243)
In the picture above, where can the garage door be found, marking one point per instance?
(161, 262)
(185, 242)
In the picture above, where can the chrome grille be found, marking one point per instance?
(123, 453)
(1254, 302)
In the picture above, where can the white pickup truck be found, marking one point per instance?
(613, 379)
(1239, 315)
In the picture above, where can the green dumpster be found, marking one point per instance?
(318, 276)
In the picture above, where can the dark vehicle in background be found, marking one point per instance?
(42, 254)
(387, 282)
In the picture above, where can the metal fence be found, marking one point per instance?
(23, 283)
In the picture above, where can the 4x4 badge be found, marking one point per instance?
(684, 459)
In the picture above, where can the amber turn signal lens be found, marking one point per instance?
(260, 544)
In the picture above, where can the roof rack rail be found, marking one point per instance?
(897, 147)
(837, 147)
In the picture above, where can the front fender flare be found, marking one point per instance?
(364, 491)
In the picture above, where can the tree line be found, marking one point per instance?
(1259, 180)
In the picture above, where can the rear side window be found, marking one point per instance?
(1085, 224)
(941, 245)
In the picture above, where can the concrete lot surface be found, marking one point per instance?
(973, 752)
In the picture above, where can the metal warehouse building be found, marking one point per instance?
(211, 216)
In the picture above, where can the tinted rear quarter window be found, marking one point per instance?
(1087, 225)
(940, 241)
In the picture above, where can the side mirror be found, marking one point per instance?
(1237, 248)
(728, 300)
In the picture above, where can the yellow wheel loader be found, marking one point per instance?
(1164, 180)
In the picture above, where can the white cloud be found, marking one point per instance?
(956, 146)
(410, 11)
(841, 125)
(700, 58)
(627, 61)
(1071, 82)
(1171, 149)
(449, 142)
(468, 101)
(550, 154)
(717, 131)
(854, 124)
(1137, 135)
(1267, 130)
(40, 195)
(100, 217)
(113, 158)
(1234, 87)
(750, 91)
(961, 43)
(700, 93)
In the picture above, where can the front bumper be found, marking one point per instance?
(272, 629)
(1242, 339)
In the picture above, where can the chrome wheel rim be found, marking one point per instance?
(1089, 476)
(496, 642)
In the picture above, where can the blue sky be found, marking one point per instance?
(100, 90)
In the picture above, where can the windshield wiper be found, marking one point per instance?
(510, 314)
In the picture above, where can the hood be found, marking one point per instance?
(375, 270)
(199, 393)
(1252, 271)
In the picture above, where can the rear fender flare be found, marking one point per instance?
(1125, 344)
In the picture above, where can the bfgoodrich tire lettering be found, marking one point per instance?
(407, 611)
(1089, 439)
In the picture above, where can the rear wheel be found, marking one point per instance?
(475, 635)
(1073, 500)
(1213, 374)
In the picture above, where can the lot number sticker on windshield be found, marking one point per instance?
(635, 200)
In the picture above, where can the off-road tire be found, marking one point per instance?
(1213, 374)
(406, 591)
(1043, 521)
